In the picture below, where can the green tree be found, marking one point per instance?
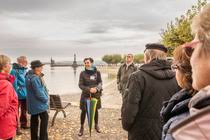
(107, 59)
(116, 58)
(112, 59)
(179, 31)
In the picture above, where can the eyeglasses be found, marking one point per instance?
(191, 44)
(189, 47)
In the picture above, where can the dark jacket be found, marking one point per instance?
(174, 111)
(37, 94)
(89, 79)
(20, 82)
(142, 101)
(196, 126)
(123, 75)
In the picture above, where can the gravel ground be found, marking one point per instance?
(67, 128)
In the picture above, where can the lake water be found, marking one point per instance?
(64, 80)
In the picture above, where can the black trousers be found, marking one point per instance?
(23, 114)
(83, 116)
(43, 134)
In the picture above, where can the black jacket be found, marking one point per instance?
(174, 111)
(123, 75)
(142, 100)
(89, 79)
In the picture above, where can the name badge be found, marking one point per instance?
(92, 77)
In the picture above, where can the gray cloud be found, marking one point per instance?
(59, 28)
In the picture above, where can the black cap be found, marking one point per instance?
(36, 63)
(156, 46)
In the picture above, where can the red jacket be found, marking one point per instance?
(8, 107)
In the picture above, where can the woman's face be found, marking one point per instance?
(87, 64)
(7, 68)
(38, 70)
(200, 69)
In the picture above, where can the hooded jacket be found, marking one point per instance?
(19, 83)
(8, 107)
(142, 101)
(37, 95)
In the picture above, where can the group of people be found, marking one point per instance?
(146, 89)
(21, 91)
(161, 98)
(156, 97)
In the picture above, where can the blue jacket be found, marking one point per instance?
(19, 83)
(37, 97)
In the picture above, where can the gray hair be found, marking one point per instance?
(151, 54)
(201, 28)
(21, 58)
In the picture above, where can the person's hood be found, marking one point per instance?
(160, 69)
(7, 77)
(17, 66)
(200, 100)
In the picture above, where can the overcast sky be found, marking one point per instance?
(40, 29)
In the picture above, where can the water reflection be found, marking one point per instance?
(75, 74)
(75, 71)
(64, 80)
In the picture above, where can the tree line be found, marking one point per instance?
(118, 58)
